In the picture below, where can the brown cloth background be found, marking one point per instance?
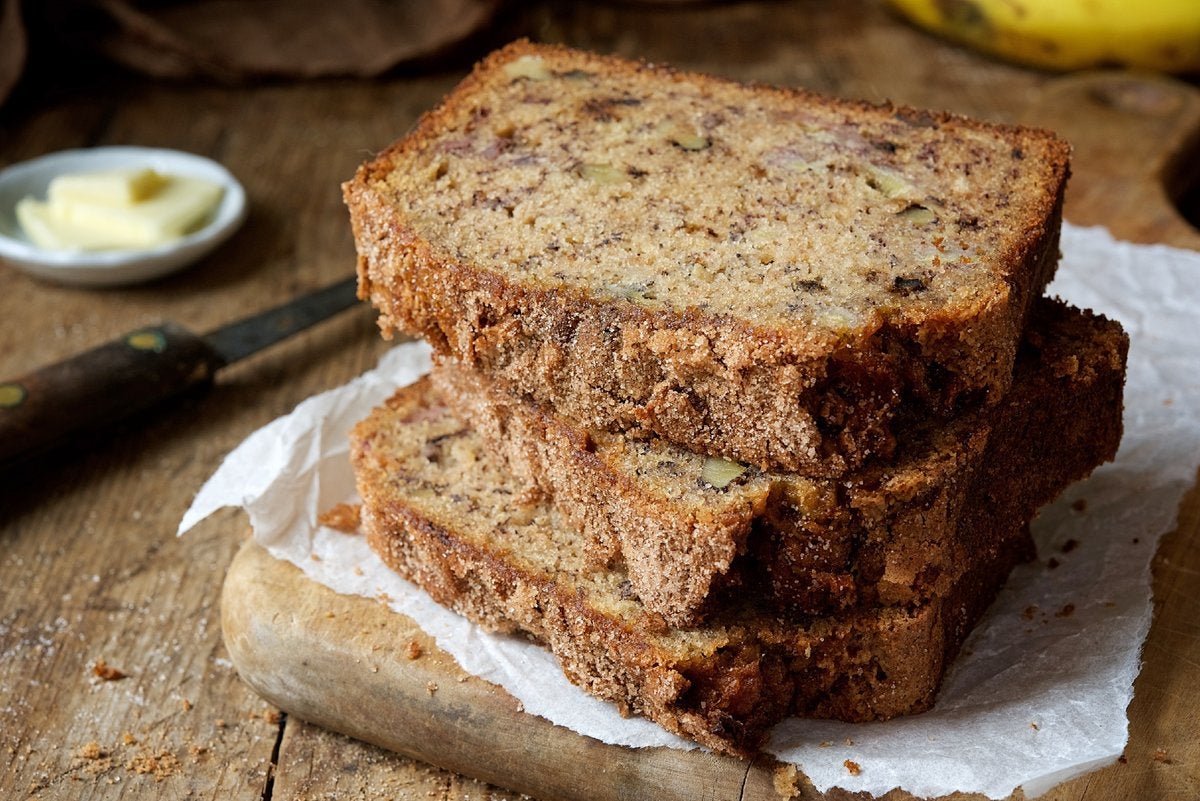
(238, 40)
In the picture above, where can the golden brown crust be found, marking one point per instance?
(798, 395)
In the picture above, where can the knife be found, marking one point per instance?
(102, 386)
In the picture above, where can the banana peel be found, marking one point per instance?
(1062, 35)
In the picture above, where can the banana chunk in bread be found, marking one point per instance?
(757, 273)
(690, 530)
(441, 510)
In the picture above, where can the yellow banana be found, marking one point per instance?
(1161, 35)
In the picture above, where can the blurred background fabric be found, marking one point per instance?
(234, 40)
(12, 46)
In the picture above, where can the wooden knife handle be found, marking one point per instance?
(47, 408)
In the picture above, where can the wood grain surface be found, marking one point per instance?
(90, 568)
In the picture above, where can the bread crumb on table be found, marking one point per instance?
(91, 750)
(159, 764)
(786, 781)
(106, 672)
(344, 517)
(131, 754)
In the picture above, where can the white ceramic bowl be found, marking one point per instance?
(113, 267)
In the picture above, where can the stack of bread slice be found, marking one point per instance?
(743, 399)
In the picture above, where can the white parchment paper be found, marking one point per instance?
(1039, 694)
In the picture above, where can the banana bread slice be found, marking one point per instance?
(691, 529)
(752, 272)
(447, 515)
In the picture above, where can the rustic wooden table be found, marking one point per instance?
(114, 682)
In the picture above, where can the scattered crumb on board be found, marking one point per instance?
(106, 672)
(91, 750)
(786, 780)
(344, 517)
(159, 764)
(141, 755)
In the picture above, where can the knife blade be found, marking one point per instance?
(129, 375)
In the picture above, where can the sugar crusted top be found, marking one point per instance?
(672, 190)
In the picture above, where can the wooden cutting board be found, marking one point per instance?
(346, 663)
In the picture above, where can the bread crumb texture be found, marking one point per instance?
(672, 190)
